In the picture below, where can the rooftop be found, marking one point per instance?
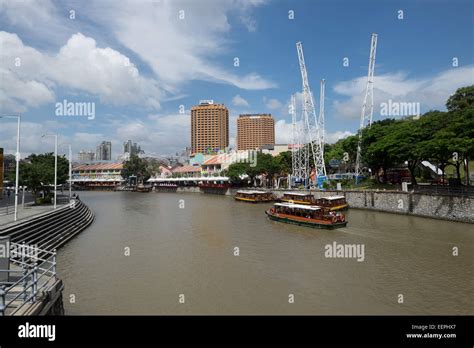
(298, 206)
(100, 166)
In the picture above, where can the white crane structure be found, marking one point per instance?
(321, 114)
(311, 135)
(368, 105)
(298, 150)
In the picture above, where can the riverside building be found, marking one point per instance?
(255, 131)
(209, 127)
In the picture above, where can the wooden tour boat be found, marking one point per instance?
(165, 187)
(143, 188)
(306, 215)
(298, 198)
(333, 202)
(253, 196)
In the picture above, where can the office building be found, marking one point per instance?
(104, 151)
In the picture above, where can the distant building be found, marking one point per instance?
(274, 150)
(86, 156)
(97, 176)
(209, 127)
(254, 131)
(214, 165)
(104, 151)
(131, 148)
(187, 171)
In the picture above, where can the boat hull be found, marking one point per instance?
(305, 222)
(295, 201)
(340, 207)
(251, 200)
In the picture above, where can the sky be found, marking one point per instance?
(143, 64)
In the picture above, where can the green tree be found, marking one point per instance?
(37, 172)
(136, 166)
(462, 99)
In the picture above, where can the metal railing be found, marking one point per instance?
(31, 278)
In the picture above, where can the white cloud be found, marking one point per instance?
(272, 103)
(284, 133)
(179, 50)
(331, 138)
(30, 77)
(239, 101)
(430, 92)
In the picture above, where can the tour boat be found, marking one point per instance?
(333, 202)
(298, 198)
(165, 187)
(306, 215)
(254, 196)
(143, 188)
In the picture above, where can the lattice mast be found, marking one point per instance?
(298, 150)
(312, 130)
(321, 115)
(368, 105)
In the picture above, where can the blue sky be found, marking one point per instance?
(177, 61)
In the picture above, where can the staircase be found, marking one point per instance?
(50, 231)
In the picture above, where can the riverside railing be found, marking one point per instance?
(28, 279)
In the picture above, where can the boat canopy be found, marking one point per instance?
(249, 192)
(330, 198)
(297, 194)
(298, 206)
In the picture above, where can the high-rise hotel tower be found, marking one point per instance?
(254, 131)
(209, 127)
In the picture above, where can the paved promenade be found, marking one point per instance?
(7, 214)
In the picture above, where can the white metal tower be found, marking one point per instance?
(321, 114)
(368, 106)
(298, 150)
(312, 134)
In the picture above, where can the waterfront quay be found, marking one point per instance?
(29, 283)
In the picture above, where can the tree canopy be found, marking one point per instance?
(37, 171)
(442, 138)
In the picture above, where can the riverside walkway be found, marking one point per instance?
(28, 280)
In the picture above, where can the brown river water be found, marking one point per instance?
(183, 244)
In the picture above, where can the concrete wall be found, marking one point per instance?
(455, 208)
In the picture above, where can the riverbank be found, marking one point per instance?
(430, 205)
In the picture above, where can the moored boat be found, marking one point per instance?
(333, 202)
(165, 187)
(253, 196)
(306, 215)
(143, 188)
(298, 198)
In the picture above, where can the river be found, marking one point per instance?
(144, 250)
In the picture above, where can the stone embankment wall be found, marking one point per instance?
(455, 208)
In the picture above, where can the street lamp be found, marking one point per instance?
(70, 169)
(55, 165)
(17, 157)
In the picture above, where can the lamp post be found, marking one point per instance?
(70, 169)
(17, 157)
(55, 165)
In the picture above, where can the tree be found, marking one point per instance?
(136, 166)
(37, 172)
(463, 98)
